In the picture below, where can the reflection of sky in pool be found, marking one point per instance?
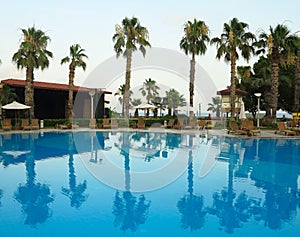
(252, 188)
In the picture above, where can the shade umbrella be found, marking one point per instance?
(186, 109)
(145, 106)
(15, 106)
(242, 111)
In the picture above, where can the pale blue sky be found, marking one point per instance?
(91, 24)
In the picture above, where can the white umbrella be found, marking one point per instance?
(145, 106)
(242, 111)
(15, 105)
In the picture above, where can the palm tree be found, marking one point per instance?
(297, 77)
(126, 39)
(75, 58)
(136, 102)
(174, 100)
(194, 42)
(7, 95)
(121, 93)
(32, 54)
(279, 42)
(215, 106)
(149, 90)
(234, 37)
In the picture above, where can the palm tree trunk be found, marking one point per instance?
(274, 78)
(29, 91)
(71, 89)
(297, 85)
(192, 81)
(127, 82)
(232, 82)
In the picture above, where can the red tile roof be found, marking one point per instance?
(227, 92)
(48, 85)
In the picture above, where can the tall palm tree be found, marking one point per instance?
(32, 54)
(279, 42)
(126, 39)
(75, 58)
(234, 38)
(149, 89)
(194, 42)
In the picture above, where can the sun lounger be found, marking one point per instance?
(192, 124)
(249, 126)
(6, 124)
(234, 128)
(141, 123)
(114, 123)
(106, 123)
(25, 124)
(35, 124)
(283, 129)
(93, 123)
(202, 124)
(170, 123)
(179, 124)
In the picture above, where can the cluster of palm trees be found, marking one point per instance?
(172, 100)
(279, 44)
(33, 54)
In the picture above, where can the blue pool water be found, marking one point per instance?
(148, 184)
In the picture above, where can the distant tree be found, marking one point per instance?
(121, 93)
(7, 95)
(149, 89)
(126, 39)
(215, 106)
(175, 100)
(32, 54)
(136, 102)
(75, 59)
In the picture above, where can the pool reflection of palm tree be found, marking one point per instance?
(75, 191)
(190, 205)
(1, 194)
(34, 197)
(230, 210)
(129, 212)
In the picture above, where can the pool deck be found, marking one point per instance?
(210, 132)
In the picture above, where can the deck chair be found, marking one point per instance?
(34, 124)
(114, 123)
(249, 126)
(6, 124)
(283, 129)
(106, 124)
(93, 123)
(202, 124)
(25, 124)
(141, 123)
(192, 124)
(170, 123)
(234, 128)
(179, 124)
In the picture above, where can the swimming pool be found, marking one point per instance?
(147, 184)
